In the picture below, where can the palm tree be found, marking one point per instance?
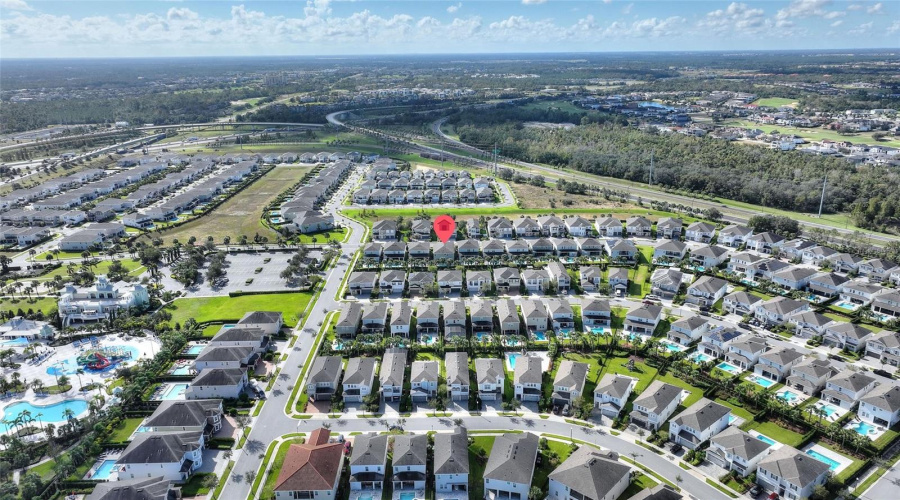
(78, 373)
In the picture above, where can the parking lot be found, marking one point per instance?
(247, 272)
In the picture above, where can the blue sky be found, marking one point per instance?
(135, 28)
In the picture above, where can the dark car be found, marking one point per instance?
(883, 373)
(754, 490)
(676, 448)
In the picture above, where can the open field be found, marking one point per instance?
(775, 102)
(233, 308)
(548, 197)
(240, 215)
(46, 304)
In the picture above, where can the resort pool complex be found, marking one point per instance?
(49, 414)
(16, 342)
(863, 428)
(174, 391)
(832, 463)
(765, 439)
(103, 472)
(728, 367)
(762, 382)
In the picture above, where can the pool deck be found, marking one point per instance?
(366, 494)
(419, 494)
(800, 397)
(451, 495)
(775, 446)
(544, 355)
(837, 457)
(106, 455)
(838, 412)
(875, 434)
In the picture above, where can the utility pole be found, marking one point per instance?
(822, 200)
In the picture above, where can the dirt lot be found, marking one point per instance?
(241, 214)
(537, 197)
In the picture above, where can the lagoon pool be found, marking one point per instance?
(49, 414)
(760, 381)
(103, 472)
(862, 428)
(174, 391)
(766, 439)
(728, 367)
(832, 463)
(787, 396)
(16, 342)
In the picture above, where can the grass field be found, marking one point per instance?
(125, 429)
(233, 308)
(775, 102)
(240, 215)
(46, 304)
(133, 267)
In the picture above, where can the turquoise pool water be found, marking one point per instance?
(181, 370)
(103, 472)
(700, 357)
(765, 439)
(407, 496)
(672, 347)
(174, 391)
(597, 330)
(540, 336)
(16, 342)
(368, 497)
(762, 382)
(228, 326)
(731, 419)
(512, 360)
(832, 464)
(828, 409)
(863, 428)
(70, 366)
(483, 336)
(728, 367)
(428, 339)
(846, 305)
(788, 396)
(195, 349)
(337, 346)
(50, 413)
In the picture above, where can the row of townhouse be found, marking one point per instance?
(506, 279)
(619, 250)
(301, 212)
(50, 188)
(93, 236)
(433, 196)
(456, 318)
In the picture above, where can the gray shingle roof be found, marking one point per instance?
(658, 395)
(451, 452)
(160, 447)
(456, 364)
(740, 443)
(591, 472)
(571, 374)
(528, 370)
(393, 367)
(191, 413)
(709, 284)
(512, 458)
(261, 317)
(325, 369)
(224, 377)
(410, 450)
(422, 371)
(614, 384)
(369, 449)
(702, 414)
(360, 371)
(154, 488)
(487, 370)
(793, 466)
(886, 397)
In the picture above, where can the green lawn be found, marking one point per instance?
(46, 304)
(204, 309)
(775, 432)
(323, 237)
(775, 102)
(275, 466)
(816, 133)
(639, 482)
(133, 267)
(476, 467)
(125, 429)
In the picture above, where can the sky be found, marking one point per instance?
(138, 28)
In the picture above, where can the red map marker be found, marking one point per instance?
(444, 227)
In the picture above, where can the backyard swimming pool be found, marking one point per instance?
(195, 349)
(700, 357)
(49, 414)
(846, 305)
(103, 472)
(728, 367)
(787, 396)
(862, 428)
(174, 391)
(540, 336)
(407, 496)
(827, 408)
(765, 439)
(760, 381)
(181, 370)
(832, 463)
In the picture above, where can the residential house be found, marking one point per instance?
(612, 393)
(596, 314)
(620, 250)
(793, 278)
(451, 464)
(490, 377)
(765, 243)
(669, 251)
(205, 415)
(741, 303)
(876, 269)
(847, 336)
(174, 456)
(669, 228)
(709, 257)
(578, 226)
(536, 319)
(500, 227)
(420, 282)
(428, 319)
(374, 318)
(847, 388)
(886, 347)
(809, 324)
(860, 293)
(568, 385)
(551, 225)
(213, 383)
(618, 280)
(736, 450)
(392, 374)
(881, 407)
(481, 315)
(359, 377)
(536, 280)
(423, 380)
(887, 305)
(591, 276)
(790, 473)
(809, 376)
(508, 317)
(702, 232)
(716, 341)
(826, 284)
(454, 315)
(478, 281)
(507, 280)
(706, 291)
(510, 466)
(401, 319)
(153, 488)
(349, 320)
(311, 469)
(844, 262)
(392, 282)
(527, 378)
(589, 473)
(777, 363)
(562, 317)
(656, 404)
(700, 422)
(734, 235)
(368, 463)
(609, 227)
(745, 353)
(362, 283)
(559, 276)
(456, 365)
(384, 230)
(776, 311)
(666, 281)
(409, 462)
(643, 319)
(450, 281)
(687, 330)
(323, 377)
(638, 227)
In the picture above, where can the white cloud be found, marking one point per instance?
(809, 8)
(737, 18)
(874, 9)
(837, 23)
(453, 8)
(607, 1)
(181, 14)
(627, 9)
(14, 5)
(532, 2)
(861, 29)
(646, 28)
(894, 28)
(854, 6)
